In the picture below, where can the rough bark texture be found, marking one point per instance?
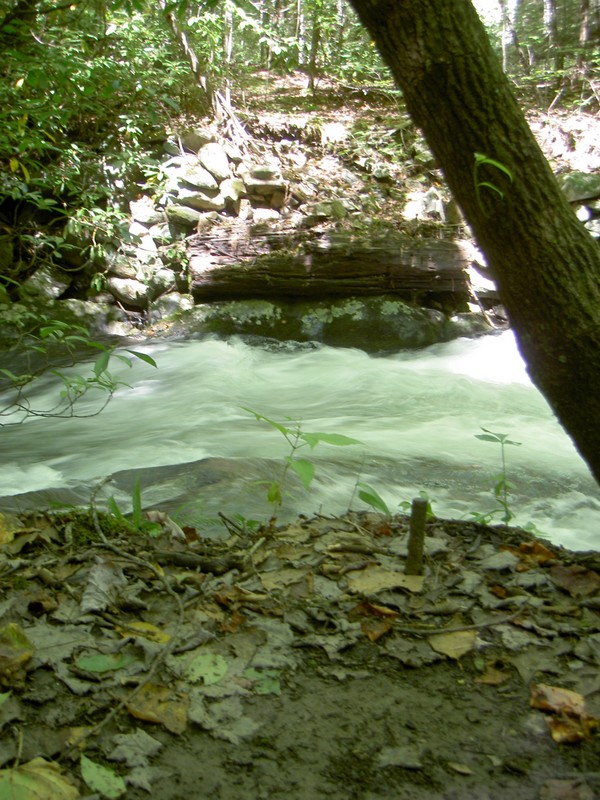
(430, 272)
(546, 264)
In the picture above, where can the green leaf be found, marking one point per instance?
(488, 185)
(303, 468)
(208, 668)
(101, 363)
(372, 498)
(487, 438)
(115, 510)
(337, 439)
(265, 681)
(104, 662)
(261, 418)
(143, 357)
(36, 780)
(101, 779)
(482, 160)
(274, 493)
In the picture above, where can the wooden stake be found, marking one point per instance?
(416, 537)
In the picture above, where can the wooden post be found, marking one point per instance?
(416, 537)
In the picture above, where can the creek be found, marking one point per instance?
(416, 414)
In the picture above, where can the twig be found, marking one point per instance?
(458, 629)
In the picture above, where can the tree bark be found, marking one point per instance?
(545, 262)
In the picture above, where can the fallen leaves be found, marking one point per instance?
(570, 722)
(454, 645)
(155, 703)
(37, 780)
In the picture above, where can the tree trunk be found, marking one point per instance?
(545, 262)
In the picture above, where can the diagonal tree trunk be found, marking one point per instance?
(546, 264)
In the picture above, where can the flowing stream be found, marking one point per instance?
(415, 413)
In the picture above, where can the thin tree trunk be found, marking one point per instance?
(545, 262)
(203, 79)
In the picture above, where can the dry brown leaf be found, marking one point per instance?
(155, 703)
(557, 699)
(367, 609)
(493, 676)
(375, 579)
(374, 629)
(565, 729)
(575, 579)
(453, 645)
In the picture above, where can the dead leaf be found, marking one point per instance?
(374, 629)
(453, 645)
(15, 652)
(375, 579)
(9, 525)
(155, 703)
(367, 609)
(565, 729)
(573, 789)
(144, 629)
(557, 699)
(462, 769)
(493, 676)
(535, 552)
(38, 779)
(575, 579)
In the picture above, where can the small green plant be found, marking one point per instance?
(44, 341)
(135, 521)
(302, 467)
(502, 486)
(372, 498)
(482, 160)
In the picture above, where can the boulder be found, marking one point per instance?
(201, 201)
(183, 215)
(373, 324)
(198, 177)
(213, 157)
(129, 291)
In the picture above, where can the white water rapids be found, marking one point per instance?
(416, 414)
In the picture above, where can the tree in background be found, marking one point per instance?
(546, 264)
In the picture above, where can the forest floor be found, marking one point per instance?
(295, 662)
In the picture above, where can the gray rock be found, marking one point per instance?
(196, 138)
(129, 291)
(198, 177)
(260, 215)
(266, 172)
(263, 188)
(213, 157)
(143, 211)
(124, 266)
(373, 324)
(169, 305)
(183, 215)
(48, 282)
(232, 189)
(98, 318)
(161, 233)
(161, 281)
(234, 154)
(201, 201)
(579, 186)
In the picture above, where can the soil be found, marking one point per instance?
(297, 662)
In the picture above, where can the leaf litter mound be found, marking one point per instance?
(299, 662)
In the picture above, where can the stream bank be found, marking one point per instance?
(298, 661)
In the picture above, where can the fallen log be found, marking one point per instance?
(414, 270)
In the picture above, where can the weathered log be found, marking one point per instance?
(410, 269)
